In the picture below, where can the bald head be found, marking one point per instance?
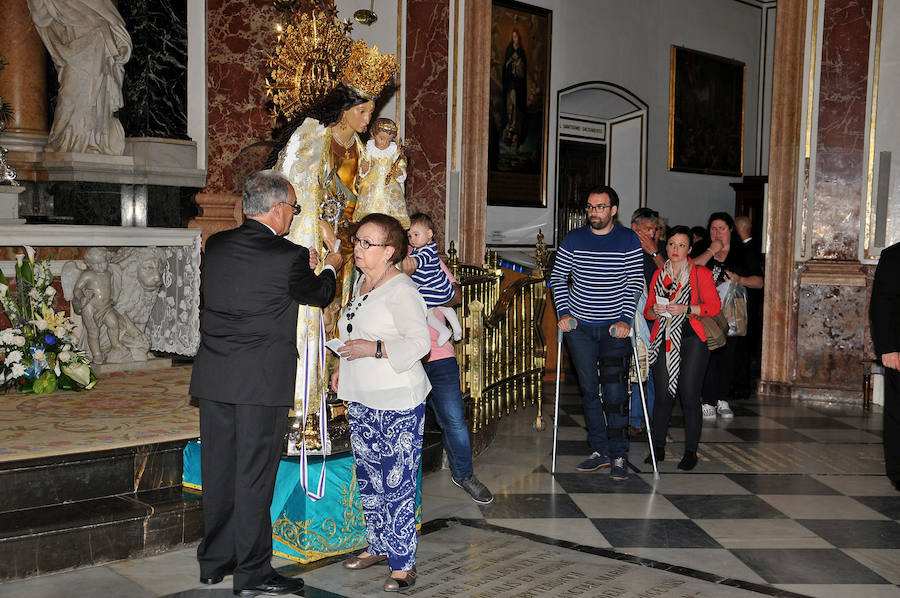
(742, 225)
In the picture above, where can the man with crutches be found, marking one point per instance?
(596, 276)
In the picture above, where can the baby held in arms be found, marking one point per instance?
(432, 282)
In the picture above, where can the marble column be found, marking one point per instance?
(779, 321)
(23, 83)
(831, 300)
(815, 313)
(475, 118)
(427, 46)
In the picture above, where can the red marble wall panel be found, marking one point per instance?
(841, 129)
(240, 33)
(427, 47)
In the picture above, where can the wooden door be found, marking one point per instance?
(580, 166)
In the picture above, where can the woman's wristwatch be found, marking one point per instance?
(378, 353)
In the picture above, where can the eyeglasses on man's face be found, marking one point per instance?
(295, 208)
(597, 208)
(365, 244)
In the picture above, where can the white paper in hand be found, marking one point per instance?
(663, 301)
(335, 344)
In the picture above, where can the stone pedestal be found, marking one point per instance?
(218, 211)
(9, 204)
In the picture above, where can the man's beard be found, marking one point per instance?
(599, 223)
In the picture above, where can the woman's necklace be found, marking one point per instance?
(344, 144)
(353, 308)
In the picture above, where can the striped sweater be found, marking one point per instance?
(596, 278)
(432, 282)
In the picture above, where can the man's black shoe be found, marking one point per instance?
(211, 581)
(278, 585)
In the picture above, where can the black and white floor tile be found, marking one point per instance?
(788, 498)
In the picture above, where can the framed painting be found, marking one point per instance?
(706, 113)
(519, 105)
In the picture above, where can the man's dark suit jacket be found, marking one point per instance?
(253, 282)
(884, 310)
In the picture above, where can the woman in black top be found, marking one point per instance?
(728, 259)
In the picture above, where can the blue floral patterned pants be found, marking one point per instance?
(387, 452)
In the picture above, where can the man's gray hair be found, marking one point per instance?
(642, 214)
(263, 190)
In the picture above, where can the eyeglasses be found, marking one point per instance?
(295, 208)
(366, 244)
(597, 208)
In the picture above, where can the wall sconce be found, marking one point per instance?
(366, 17)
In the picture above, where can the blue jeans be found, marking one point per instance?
(637, 412)
(447, 403)
(587, 345)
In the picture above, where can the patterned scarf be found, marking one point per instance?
(676, 290)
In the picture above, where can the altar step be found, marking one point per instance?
(84, 509)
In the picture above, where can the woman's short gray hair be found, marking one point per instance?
(263, 190)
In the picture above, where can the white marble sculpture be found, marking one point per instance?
(89, 46)
(113, 292)
(142, 277)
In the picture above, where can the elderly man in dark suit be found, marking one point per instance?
(253, 283)
(884, 314)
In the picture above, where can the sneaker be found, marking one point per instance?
(478, 491)
(709, 412)
(618, 471)
(593, 463)
(723, 409)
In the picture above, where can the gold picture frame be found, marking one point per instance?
(706, 113)
(519, 104)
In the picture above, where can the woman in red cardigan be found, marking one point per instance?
(679, 292)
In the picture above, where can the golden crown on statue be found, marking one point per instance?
(314, 53)
(368, 70)
(308, 61)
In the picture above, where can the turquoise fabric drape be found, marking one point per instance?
(303, 530)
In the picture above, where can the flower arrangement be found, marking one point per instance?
(38, 353)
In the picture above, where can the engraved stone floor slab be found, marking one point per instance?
(468, 559)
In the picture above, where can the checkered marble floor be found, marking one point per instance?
(787, 495)
(787, 499)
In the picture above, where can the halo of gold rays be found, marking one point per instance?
(308, 61)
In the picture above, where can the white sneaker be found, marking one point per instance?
(724, 410)
(709, 412)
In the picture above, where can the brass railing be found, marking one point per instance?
(503, 352)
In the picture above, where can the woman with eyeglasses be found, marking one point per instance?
(380, 376)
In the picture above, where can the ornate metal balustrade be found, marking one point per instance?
(503, 351)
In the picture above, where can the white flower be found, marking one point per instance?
(30, 251)
(34, 294)
(14, 357)
(56, 369)
(19, 259)
(67, 347)
(18, 370)
(41, 324)
(3, 289)
(19, 341)
(64, 356)
(39, 355)
(50, 291)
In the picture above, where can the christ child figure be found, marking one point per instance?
(382, 174)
